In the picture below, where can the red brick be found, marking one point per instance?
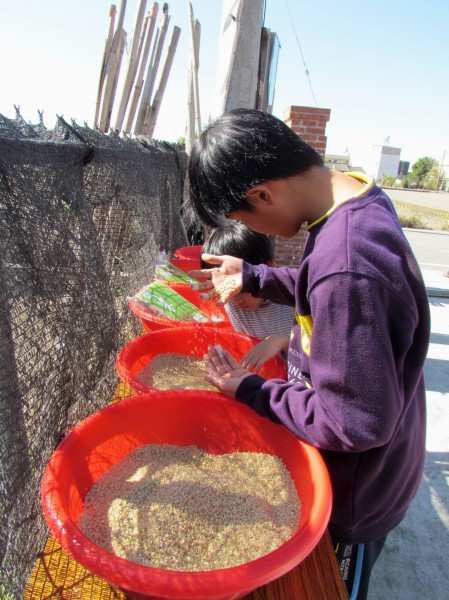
(310, 137)
(308, 122)
(309, 129)
(291, 112)
(309, 110)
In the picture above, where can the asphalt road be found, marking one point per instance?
(431, 248)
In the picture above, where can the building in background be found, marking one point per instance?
(341, 162)
(403, 169)
(385, 161)
(338, 162)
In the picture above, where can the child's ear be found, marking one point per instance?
(271, 263)
(260, 193)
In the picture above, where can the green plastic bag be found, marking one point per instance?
(171, 274)
(162, 299)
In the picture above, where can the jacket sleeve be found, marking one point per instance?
(360, 339)
(272, 283)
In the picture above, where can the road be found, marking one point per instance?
(431, 248)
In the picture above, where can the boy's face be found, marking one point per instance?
(274, 209)
(246, 302)
(251, 219)
(259, 223)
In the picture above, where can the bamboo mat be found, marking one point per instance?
(57, 576)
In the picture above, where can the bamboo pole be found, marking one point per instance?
(152, 15)
(112, 67)
(194, 58)
(117, 73)
(190, 125)
(157, 101)
(138, 125)
(132, 65)
(145, 102)
(107, 49)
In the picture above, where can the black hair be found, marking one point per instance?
(239, 150)
(235, 239)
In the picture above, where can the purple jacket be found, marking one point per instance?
(355, 363)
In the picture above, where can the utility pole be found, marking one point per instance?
(440, 171)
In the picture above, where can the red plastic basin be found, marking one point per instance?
(215, 424)
(186, 264)
(192, 341)
(153, 322)
(192, 252)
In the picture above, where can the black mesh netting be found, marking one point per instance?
(83, 216)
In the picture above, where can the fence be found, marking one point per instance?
(83, 216)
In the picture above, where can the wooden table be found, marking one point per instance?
(57, 576)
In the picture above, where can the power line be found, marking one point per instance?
(300, 50)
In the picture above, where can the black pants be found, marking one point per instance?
(356, 563)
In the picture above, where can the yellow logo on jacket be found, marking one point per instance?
(306, 324)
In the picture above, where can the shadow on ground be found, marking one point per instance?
(414, 562)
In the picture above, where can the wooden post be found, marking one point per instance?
(117, 73)
(145, 102)
(107, 49)
(163, 81)
(112, 70)
(132, 65)
(152, 15)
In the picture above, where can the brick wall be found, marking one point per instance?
(310, 124)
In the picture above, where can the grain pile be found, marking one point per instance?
(174, 371)
(226, 289)
(180, 508)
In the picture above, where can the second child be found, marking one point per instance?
(263, 319)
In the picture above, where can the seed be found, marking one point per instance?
(226, 289)
(180, 508)
(174, 371)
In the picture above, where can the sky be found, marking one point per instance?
(382, 67)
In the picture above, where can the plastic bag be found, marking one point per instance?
(166, 271)
(160, 298)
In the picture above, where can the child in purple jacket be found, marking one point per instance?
(355, 386)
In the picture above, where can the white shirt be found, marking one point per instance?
(268, 319)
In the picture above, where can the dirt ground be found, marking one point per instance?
(421, 210)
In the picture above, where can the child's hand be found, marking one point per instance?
(224, 281)
(223, 371)
(263, 351)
